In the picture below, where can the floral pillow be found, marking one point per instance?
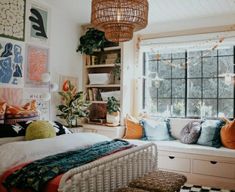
(26, 112)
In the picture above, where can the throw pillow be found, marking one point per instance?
(228, 135)
(39, 130)
(16, 114)
(3, 106)
(191, 132)
(7, 130)
(59, 128)
(133, 129)
(210, 133)
(156, 130)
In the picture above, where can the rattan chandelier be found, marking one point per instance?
(119, 18)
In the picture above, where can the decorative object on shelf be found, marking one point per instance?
(73, 105)
(99, 78)
(113, 111)
(116, 74)
(119, 18)
(93, 40)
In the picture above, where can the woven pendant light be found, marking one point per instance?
(119, 18)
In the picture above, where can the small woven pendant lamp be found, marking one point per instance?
(119, 18)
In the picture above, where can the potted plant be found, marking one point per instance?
(93, 40)
(116, 74)
(73, 106)
(113, 111)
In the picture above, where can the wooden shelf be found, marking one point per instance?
(102, 102)
(101, 66)
(109, 85)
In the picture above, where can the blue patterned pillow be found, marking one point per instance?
(210, 133)
(156, 130)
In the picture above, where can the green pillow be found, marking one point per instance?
(39, 130)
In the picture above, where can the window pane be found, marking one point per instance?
(179, 70)
(164, 89)
(152, 66)
(152, 93)
(225, 65)
(178, 88)
(226, 107)
(178, 108)
(194, 69)
(210, 88)
(227, 51)
(207, 53)
(163, 105)
(164, 70)
(194, 54)
(194, 88)
(209, 67)
(165, 56)
(225, 91)
(178, 55)
(210, 107)
(193, 107)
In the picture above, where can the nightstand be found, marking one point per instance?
(76, 129)
(111, 132)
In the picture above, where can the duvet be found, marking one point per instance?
(47, 159)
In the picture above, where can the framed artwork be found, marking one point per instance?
(11, 63)
(12, 19)
(39, 19)
(37, 94)
(13, 96)
(63, 80)
(37, 64)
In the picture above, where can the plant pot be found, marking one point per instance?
(113, 118)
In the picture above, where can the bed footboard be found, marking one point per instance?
(111, 172)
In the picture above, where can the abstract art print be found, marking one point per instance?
(11, 63)
(12, 19)
(37, 64)
(39, 23)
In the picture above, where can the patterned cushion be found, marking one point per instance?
(3, 106)
(59, 128)
(16, 114)
(210, 133)
(191, 132)
(7, 130)
(228, 135)
(159, 181)
(128, 189)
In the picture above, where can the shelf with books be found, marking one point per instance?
(107, 85)
(102, 65)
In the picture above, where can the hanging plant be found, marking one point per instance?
(93, 40)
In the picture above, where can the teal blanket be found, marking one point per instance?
(35, 175)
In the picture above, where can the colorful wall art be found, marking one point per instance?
(12, 19)
(37, 64)
(13, 96)
(11, 63)
(39, 23)
(37, 94)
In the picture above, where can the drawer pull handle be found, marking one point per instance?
(171, 157)
(213, 162)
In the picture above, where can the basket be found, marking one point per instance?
(99, 78)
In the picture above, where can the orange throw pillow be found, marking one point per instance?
(227, 134)
(133, 130)
(3, 106)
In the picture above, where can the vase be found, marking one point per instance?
(113, 118)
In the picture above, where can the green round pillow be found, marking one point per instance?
(39, 130)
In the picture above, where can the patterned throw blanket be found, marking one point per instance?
(35, 175)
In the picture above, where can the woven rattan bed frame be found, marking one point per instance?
(111, 172)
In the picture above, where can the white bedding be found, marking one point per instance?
(15, 153)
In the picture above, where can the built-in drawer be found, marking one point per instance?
(174, 163)
(213, 168)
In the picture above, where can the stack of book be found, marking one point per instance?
(94, 94)
(111, 58)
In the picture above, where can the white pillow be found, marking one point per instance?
(10, 139)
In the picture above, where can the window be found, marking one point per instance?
(189, 83)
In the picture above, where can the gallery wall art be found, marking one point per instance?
(37, 64)
(12, 63)
(12, 19)
(39, 23)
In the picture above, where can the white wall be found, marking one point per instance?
(64, 37)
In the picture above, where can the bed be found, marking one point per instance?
(104, 174)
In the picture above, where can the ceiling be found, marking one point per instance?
(160, 11)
